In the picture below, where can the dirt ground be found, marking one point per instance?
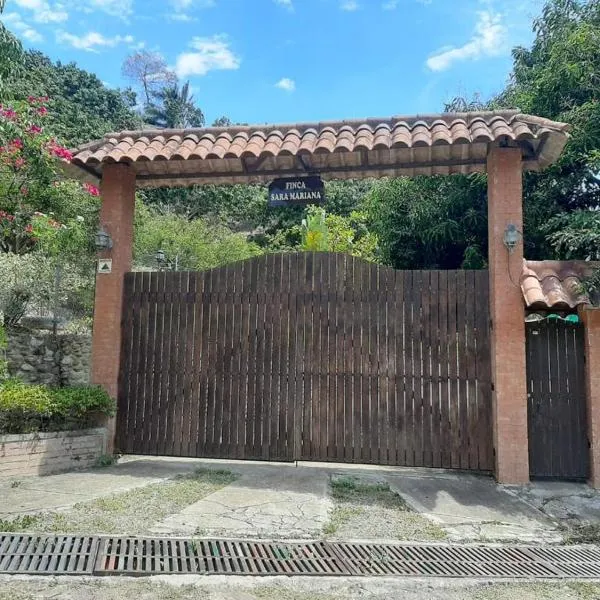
(44, 588)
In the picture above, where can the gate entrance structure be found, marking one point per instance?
(321, 357)
(503, 144)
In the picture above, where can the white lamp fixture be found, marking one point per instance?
(512, 236)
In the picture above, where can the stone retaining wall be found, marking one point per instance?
(37, 356)
(45, 453)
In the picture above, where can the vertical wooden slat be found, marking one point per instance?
(300, 352)
(462, 370)
(365, 390)
(409, 372)
(417, 332)
(160, 366)
(427, 342)
(473, 413)
(125, 399)
(260, 333)
(245, 358)
(397, 367)
(213, 298)
(347, 357)
(277, 316)
(444, 399)
(178, 360)
(250, 298)
(453, 369)
(142, 402)
(227, 414)
(150, 390)
(435, 299)
(196, 288)
(308, 353)
(286, 366)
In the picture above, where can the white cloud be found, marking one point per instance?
(285, 3)
(350, 5)
(391, 5)
(44, 11)
(489, 39)
(286, 84)
(210, 54)
(15, 22)
(181, 8)
(91, 41)
(114, 8)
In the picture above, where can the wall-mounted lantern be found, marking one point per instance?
(512, 236)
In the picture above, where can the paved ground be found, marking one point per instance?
(266, 500)
(289, 501)
(233, 588)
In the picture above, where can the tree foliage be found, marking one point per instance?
(197, 244)
(173, 107)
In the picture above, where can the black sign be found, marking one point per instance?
(296, 191)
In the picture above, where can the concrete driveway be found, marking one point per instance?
(289, 501)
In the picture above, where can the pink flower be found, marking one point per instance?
(17, 144)
(31, 99)
(35, 129)
(9, 114)
(25, 191)
(59, 151)
(42, 111)
(19, 163)
(91, 189)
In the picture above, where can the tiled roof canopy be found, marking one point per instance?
(420, 145)
(553, 284)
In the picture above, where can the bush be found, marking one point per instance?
(30, 408)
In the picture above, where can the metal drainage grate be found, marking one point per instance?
(47, 555)
(78, 555)
(138, 556)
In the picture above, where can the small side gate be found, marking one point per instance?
(308, 356)
(557, 418)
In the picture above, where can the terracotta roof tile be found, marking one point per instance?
(436, 137)
(551, 284)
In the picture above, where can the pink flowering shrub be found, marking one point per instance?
(36, 200)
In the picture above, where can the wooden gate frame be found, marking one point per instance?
(502, 143)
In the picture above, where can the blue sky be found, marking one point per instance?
(261, 61)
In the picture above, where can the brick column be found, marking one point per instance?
(116, 216)
(505, 198)
(591, 320)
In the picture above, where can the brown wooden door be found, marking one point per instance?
(558, 443)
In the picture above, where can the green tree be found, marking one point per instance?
(174, 108)
(197, 244)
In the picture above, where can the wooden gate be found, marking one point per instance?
(308, 357)
(558, 442)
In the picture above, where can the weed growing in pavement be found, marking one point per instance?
(18, 523)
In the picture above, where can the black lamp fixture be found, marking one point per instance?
(102, 240)
(160, 256)
(512, 236)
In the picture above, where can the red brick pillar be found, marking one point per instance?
(505, 198)
(116, 216)
(591, 320)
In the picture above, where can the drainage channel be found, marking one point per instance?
(89, 555)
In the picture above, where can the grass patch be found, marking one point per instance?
(136, 511)
(352, 489)
(584, 533)
(19, 524)
(365, 510)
